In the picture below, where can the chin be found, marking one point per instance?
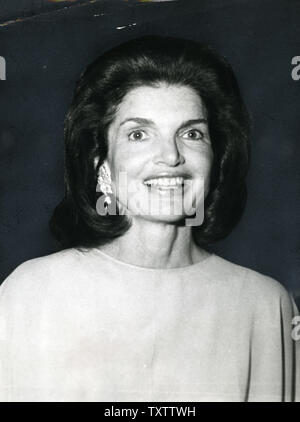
(165, 218)
(163, 211)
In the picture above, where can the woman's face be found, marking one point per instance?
(159, 153)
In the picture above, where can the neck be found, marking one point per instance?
(156, 245)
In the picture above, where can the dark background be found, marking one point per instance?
(46, 44)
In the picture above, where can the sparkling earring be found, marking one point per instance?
(104, 182)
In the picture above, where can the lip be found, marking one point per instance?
(167, 174)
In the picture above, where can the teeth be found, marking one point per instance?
(165, 181)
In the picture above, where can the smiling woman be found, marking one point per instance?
(134, 308)
(187, 81)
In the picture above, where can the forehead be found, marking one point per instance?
(162, 103)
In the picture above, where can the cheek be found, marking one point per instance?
(119, 162)
(125, 174)
(129, 161)
(202, 163)
(202, 170)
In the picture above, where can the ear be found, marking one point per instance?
(104, 170)
(96, 162)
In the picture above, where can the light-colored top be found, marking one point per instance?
(87, 327)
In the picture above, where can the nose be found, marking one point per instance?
(168, 153)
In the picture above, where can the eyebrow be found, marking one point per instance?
(143, 121)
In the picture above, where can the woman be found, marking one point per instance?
(134, 308)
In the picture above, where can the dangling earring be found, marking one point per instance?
(104, 182)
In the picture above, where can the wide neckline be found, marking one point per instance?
(196, 265)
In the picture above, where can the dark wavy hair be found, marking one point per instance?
(151, 60)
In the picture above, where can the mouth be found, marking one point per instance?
(165, 183)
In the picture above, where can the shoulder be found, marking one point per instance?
(256, 294)
(35, 274)
(254, 284)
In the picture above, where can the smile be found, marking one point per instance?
(165, 182)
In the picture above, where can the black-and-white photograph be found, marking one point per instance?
(149, 201)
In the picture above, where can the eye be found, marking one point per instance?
(137, 135)
(193, 135)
